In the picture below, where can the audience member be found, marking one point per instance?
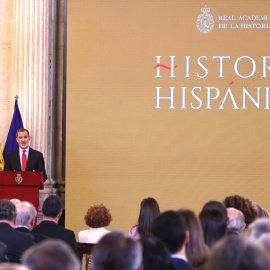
(259, 227)
(25, 221)
(97, 217)
(15, 201)
(52, 210)
(116, 252)
(51, 254)
(212, 204)
(148, 212)
(238, 253)
(258, 209)
(13, 266)
(214, 225)
(265, 213)
(236, 221)
(264, 241)
(196, 249)
(242, 204)
(170, 229)
(156, 255)
(15, 241)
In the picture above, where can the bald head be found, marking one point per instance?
(236, 220)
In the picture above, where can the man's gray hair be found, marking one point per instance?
(259, 227)
(237, 223)
(7, 210)
(116, 252)
(26, 212)
(51, 254)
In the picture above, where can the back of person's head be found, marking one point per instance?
(214, 225)
(116, 252)
(196, 249)
(52, 206)
(156, 256)
(51, 254)
(26, 212)
(149, 210)
(98, 216)
(15, 201)
(213, 204)
(258, 209)
(265, 213)
(7, 210)
(242, 204)
(238, 253)
(259, 227)
(170, 228)
(13, 266)
(264, 241)
(237, 220)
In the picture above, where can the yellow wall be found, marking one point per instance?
(121, 148)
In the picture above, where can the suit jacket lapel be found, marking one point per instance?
(17, 161)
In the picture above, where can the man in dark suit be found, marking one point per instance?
(169, 228)
(15, 241)
(34, 160)
(26, 216)
(52, 211)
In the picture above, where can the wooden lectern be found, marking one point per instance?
(24, 186)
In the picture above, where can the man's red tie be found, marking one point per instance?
(24, 160)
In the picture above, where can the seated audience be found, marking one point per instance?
(25, 221)
(52, 210)
(236, 221)
(170, 229)
(51, 254)
(242, 204)
(238, 253)
(214, 225)
(156, 256)
(148, 212)
(259, 227)
(97, 217)
(196, 249)
(15, 241)
(116, 252)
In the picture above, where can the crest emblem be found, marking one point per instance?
(18, 178)
(205, 21)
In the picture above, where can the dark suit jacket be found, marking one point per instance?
(35, 162)
(17, 242)
(52, 230)
(38, 237)
(182, 265)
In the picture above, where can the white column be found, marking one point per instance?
(34, 30)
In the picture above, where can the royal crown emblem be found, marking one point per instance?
(205, 21)
(18, 178)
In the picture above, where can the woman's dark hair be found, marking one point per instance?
(148, 212)
(98, 216)
(156, 255)
(214, 224)
(196, 249)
